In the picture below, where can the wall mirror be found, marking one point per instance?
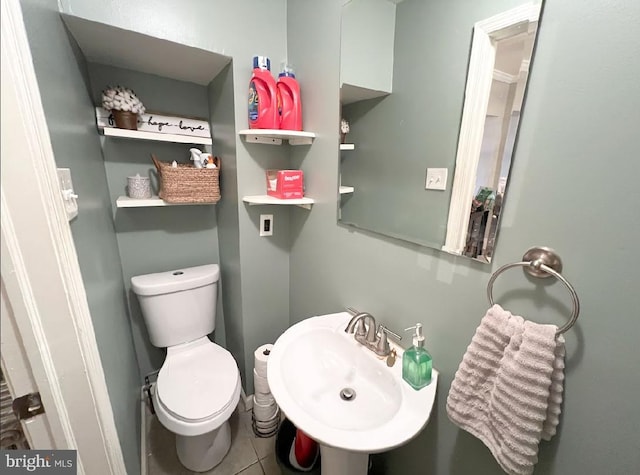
(432, 93)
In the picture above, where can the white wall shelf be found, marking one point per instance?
(126, 202)
(275, 137)
(157, 128)
(270, 200)
(155, 136)
(346, 189)
(347, 146)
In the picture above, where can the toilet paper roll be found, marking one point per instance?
(264, 412)
(275, 419)
(261, 405)
(260, 357)
(267, 426)
(268, 431)
(260, 383)
(264, 399)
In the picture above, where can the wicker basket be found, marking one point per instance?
(188, 184)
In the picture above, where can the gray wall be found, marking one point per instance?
(368, 30)
(155, 239)
(61, 74)
(221, 105)
(573, 187)
(261, 265)
(417, 125)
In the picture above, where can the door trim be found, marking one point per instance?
(42, 281)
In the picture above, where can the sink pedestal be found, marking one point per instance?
(343, 462)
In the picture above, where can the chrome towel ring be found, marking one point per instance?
(541, 262)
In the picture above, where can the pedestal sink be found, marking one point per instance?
(343, 395)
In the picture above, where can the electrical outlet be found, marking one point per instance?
(436, 179)
(266, 225)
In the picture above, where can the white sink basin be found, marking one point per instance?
(314, 360)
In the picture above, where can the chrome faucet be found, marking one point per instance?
(358, 323)
(364, 326)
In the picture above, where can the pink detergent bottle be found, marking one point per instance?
(263, 100)
(290, 105)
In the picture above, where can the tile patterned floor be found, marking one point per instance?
(249, 455)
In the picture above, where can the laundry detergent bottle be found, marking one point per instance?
(263, 96)
(290, 105)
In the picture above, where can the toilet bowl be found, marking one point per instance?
(198, 386)
(197, 390)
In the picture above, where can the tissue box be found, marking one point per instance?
(285, 184)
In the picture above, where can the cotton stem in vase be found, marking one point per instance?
(124, 105)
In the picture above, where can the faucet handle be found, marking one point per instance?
(382, 347)
(360, 328)
(382, 330)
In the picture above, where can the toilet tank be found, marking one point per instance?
(179, 305)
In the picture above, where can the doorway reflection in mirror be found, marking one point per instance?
(397, 134)
(510, 75)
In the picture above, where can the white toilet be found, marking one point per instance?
(198, 386)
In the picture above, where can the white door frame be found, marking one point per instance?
(43, 295)
(474, 112)
(20, 377)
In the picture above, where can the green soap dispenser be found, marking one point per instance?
(416, 361)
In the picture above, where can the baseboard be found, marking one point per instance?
(246, 400)
(143, 432)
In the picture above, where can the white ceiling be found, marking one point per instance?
(127, 49)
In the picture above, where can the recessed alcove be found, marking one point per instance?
(106, 44)
(171, 79)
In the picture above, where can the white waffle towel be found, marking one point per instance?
(508, 388)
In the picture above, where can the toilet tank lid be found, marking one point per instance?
(175, 280)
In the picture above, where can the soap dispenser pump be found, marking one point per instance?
(416, 361)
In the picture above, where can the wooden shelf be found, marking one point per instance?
(126, 202)
(270, 200)
(346, 189)
(347, 146)
(275, 137)
(154, 136)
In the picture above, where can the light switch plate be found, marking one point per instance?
(266, 225)
(436, 179)
(68, 195)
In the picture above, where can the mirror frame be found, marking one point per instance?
(476, 102)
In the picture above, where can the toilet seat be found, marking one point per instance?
(198, 381)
